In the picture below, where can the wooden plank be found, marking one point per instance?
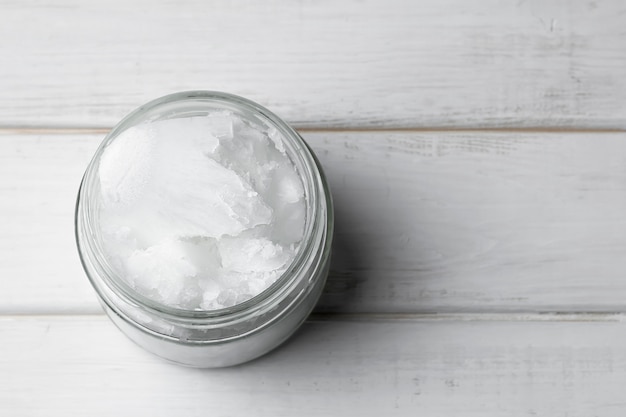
(349, 64)
(477, 221)
(84, 366)
(425, 222)
(39, 266)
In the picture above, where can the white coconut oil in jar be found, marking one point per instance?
(204, 223)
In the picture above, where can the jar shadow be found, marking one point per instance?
(342, 288)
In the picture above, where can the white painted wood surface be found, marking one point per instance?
(438, 221)
(475, 273)
(76, 366)
(320, 63)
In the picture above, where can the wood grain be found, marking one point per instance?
(425, 222)
(476, 153)
(84, 366)
(354, 63)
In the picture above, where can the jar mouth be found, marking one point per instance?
(303, 159)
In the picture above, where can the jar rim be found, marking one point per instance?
(315, 192)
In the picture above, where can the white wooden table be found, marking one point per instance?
(477, 156)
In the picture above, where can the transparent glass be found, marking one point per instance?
(228, 336)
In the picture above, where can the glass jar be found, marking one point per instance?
(228, 336)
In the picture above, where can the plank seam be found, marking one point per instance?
(415, 317)
(18, 130)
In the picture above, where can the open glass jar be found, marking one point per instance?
(211, 337)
